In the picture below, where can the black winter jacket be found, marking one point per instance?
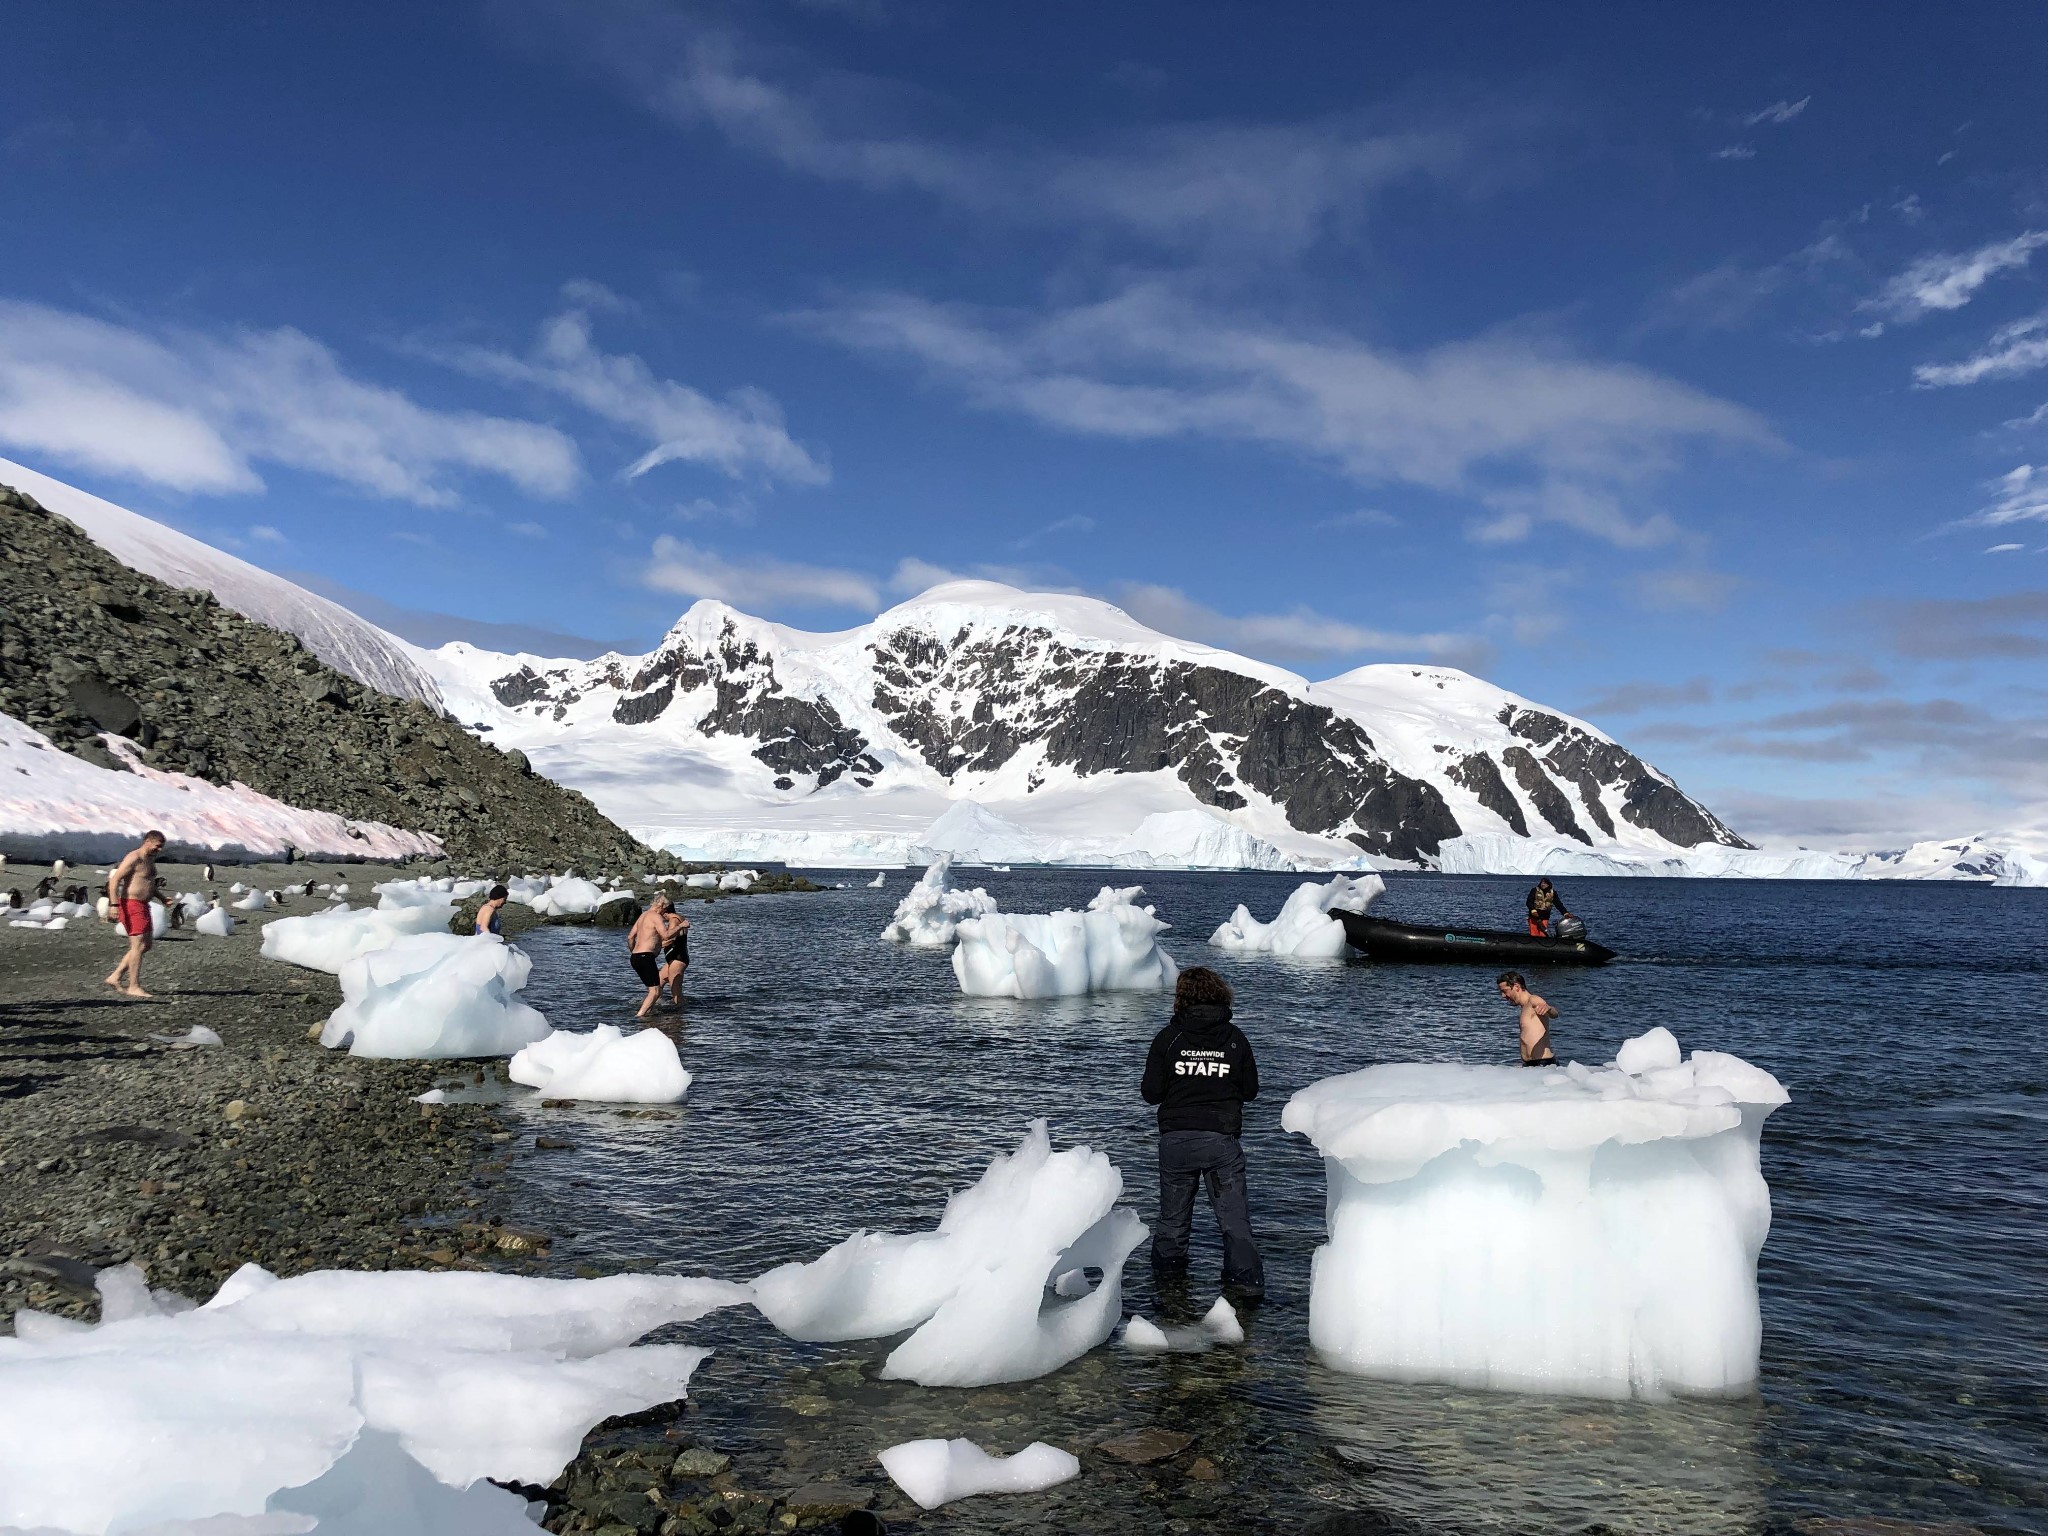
(1200, 1071)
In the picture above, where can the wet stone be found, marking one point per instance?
(1142, 1447)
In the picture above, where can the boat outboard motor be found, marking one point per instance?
(1570, 928)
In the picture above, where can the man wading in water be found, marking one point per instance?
(1536, 1015)
(129, 889)
(649, 932)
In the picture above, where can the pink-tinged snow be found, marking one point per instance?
(341, 639)
(54, 805)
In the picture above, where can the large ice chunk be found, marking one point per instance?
(975, 1289)
(435, 995)
(1578, 1230)
(326, 941)
(1304, 926)
(166, 1413)
(929, 917)
(1112, 947)
(563, 894)
(605, 1064)
(935, 1472)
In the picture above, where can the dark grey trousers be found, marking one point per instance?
(1189, 1158)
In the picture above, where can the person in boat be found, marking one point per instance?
(1535, 1016)
(491, 913)
(1545, 908)
(1201, 1073)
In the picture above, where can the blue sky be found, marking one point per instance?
(1684, 369)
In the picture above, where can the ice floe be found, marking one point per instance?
(975, 1289)
(1303, 927)
(1581, 1230)
(434, 995)
(165, 1412)
(935, 1472)
(605, 1064)
(1111, 947)
(929, 916)
(1219, 1325)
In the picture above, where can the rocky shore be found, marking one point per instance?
(118, 1147)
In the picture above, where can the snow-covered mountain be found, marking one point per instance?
(345, 642)
(1052, 728)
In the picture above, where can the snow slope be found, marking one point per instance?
(55, 805)
(1002, 726)
(345, 642)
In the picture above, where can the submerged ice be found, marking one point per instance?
(167, 1412)
(1303, 927)
(1580, 1230)
(976, 1289)
(1111, 947)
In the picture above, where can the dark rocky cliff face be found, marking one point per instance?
(87, 645)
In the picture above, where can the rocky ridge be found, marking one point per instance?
(977, 693)
(89, 646)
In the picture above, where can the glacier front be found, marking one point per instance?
(1587, 1231)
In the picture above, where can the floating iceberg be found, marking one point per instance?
(1304, 927)
(1112, 947)
(881, 879)
(1219, 1325)
(1583, 1230)
(935, 1472)
(327, 941)
(166, 1413)
(434, 995)
(975, 1289)
(929, 917)
(604, 1065)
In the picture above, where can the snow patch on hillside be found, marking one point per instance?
(344, 641)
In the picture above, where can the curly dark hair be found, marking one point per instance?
(1199, 984)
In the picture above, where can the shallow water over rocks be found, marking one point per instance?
(843, 1083)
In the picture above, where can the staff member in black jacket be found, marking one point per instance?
(1200, 1072)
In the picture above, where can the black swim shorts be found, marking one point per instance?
(648, 968)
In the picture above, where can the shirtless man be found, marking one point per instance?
(1536, 1015)
(129, 889)
(644, 942)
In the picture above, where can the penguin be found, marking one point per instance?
(45, 886)
(308, 889)
(14, 901)
(206, 873)
(57, 869)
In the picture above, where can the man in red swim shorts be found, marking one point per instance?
(129, 889)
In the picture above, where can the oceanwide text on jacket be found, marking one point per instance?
(1200, 1072)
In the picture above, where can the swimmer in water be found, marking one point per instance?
(1535, 1014)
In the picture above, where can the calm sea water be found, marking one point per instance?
(843, 1083)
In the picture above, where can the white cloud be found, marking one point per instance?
(195, 412)
(1363, 517)
(2004, 549)
(2019, 496)
(1505, 418)
(1734, 152)
(742, 433)
(263, 533)
(1777, 112)
(756, 582)
(1299, 634)
(1271, 187)
(1946, 280)
(2019, 348)
(527, 530)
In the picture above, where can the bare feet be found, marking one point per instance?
(134, 992)
(114, 981)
